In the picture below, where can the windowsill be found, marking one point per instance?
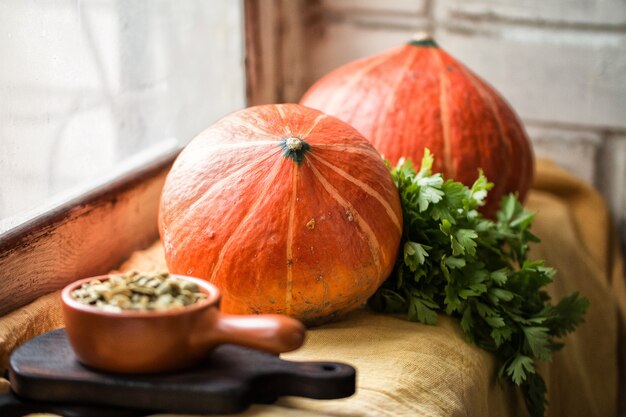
(86, 232)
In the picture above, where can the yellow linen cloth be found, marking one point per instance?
(410, 369)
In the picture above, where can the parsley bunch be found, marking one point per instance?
(455, 261)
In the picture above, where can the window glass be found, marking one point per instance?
(86, 86)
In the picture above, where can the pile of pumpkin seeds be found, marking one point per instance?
(139, 292)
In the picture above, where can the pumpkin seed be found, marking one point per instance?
(139, 291)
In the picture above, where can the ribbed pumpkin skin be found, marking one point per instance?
(310, 240)
(417, 96)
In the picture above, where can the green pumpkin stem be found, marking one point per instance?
(424, 40)
(294, 149)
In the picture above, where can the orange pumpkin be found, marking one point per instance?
(417, 96)
(286, 210)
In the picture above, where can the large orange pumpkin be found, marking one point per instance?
(417, 96)
(286, 210)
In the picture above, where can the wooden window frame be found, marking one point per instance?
(276, 48)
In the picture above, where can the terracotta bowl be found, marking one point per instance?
(148, 342)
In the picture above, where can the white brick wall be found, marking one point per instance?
(548, 76)
(574, 149)
(561, 64)
(584, 13)
(403, 7)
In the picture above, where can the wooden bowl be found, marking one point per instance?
(160, 341)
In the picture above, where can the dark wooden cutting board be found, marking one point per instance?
(45, 370)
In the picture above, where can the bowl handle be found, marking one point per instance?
(268, 332)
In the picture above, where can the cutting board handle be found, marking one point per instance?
(318, 380)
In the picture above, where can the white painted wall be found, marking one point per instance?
(561, 64)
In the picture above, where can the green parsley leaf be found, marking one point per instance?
(519, 368)
(538, 339)
(534, 390)
(414, 255)
(501, 335)
(466, 238)
(456, 262)
(499, 277)
(423, 310)
(453, 262)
